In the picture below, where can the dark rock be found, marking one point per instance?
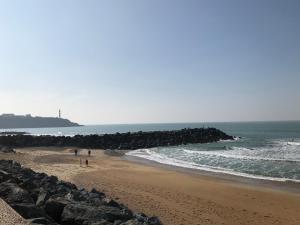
(102, 222)
(42, 197)
(29, 184)
(114, 213)
(34, 193)
(153, 221)
(12, 193)
(77, 213)
(49, 180)
(41, 220)
(100, 194)
(55, 207)
(66, 185)
(143, 219)
(40, 176)
(78, 195)
(133, 222)
(4, 176)
(125, 141)
(117, 222)
(46, 200)
(111, 202)
(28, 210)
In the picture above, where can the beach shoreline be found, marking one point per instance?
(174, 195)
(273, 185)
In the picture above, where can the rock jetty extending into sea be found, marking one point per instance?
(43, 199)
(122, 141)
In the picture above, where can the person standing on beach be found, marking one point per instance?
(75, 151)
(87, 162)
(80, 162)
(89, 152)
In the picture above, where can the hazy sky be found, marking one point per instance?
(135, 61)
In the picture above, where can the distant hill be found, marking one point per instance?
(28, 121)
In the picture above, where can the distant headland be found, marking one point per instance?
(27, 121)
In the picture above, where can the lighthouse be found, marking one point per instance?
(59, 114)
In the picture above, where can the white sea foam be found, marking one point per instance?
(156, 157)
(242, 153)
(294, 143)
(283, 142)
(234, 139)
(238, 156)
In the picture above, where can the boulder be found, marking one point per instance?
(49, 180)
(94, 191)
(101, 222)
(29, 183)
(114, 213)
(4, 176)
(28, 210)
(12, 193)
(66, 185)
(78, 213)
(49, 184)
(34, 193)
(111, 202)
(80, 195)
(133, 222)
(143, 219)
(55, 207)
(41, 220)
(96, 197)
(42, 197)
(153, 221)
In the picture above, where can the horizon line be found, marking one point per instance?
(240, 121)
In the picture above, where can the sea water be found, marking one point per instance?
(264, 150)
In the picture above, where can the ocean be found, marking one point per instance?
(264, 150)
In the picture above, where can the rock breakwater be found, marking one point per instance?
(43, 199)
(123, 141)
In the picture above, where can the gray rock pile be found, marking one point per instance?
(122, 141)
(43, 199)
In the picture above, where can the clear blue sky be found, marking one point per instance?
(136, 61)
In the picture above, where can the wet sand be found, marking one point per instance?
(175, 196)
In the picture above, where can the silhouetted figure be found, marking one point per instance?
(76, 152)
(80, 162)
(89, 152)
(87, 162)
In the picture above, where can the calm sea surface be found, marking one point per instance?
(266, 150)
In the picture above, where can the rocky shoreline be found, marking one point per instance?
(122, 141)
(43, 199)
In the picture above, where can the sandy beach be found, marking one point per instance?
(175, 196)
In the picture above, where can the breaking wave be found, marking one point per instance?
(278, 161)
